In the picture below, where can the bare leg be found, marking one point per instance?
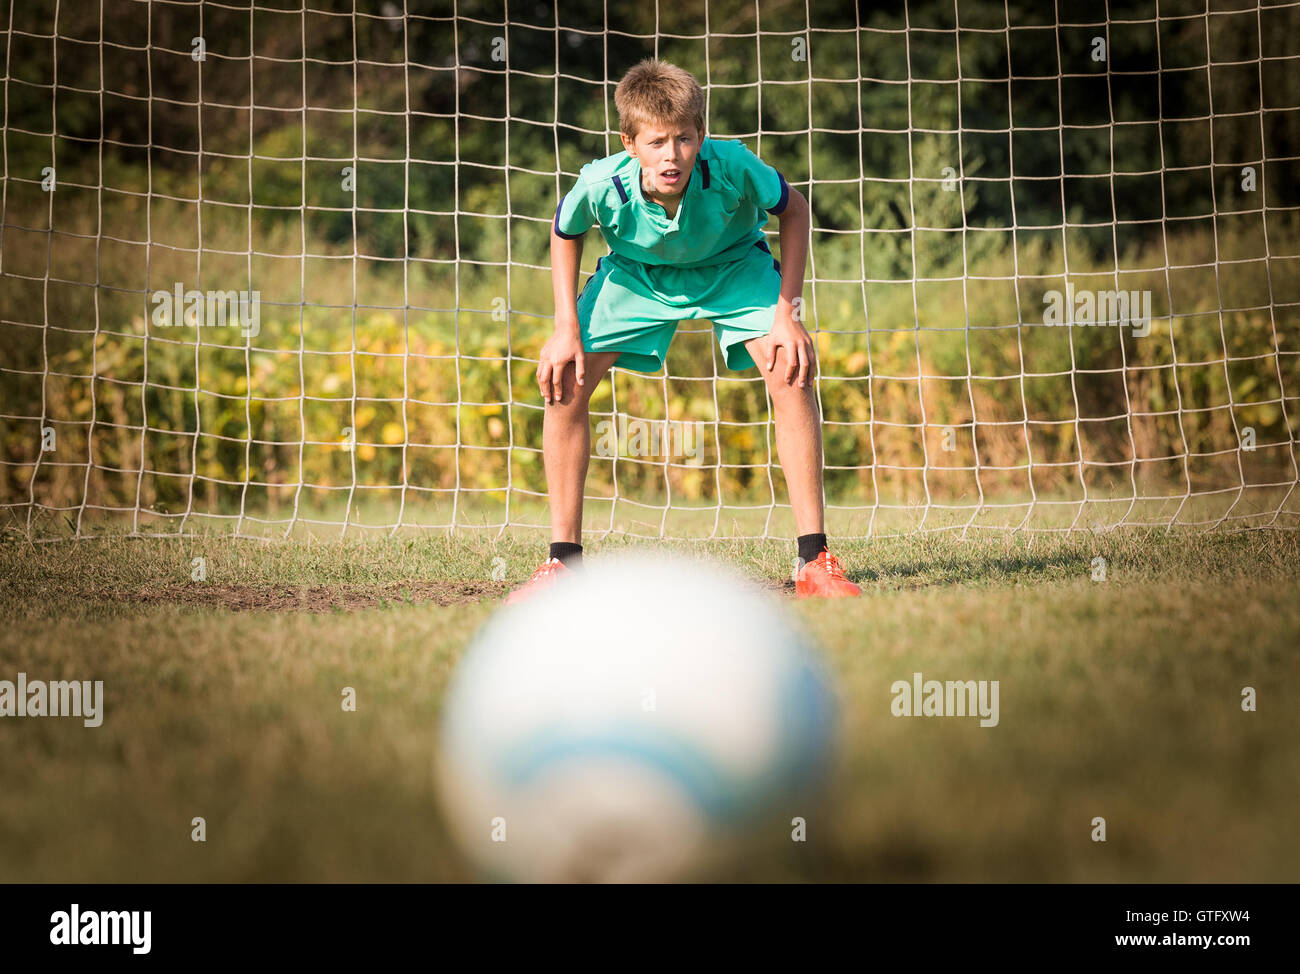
(798, 438)
(566, 446)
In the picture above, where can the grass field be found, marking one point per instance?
(1118, 699)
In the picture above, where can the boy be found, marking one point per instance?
(682, 216)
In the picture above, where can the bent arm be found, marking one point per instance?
(795, 224)
(566, 259)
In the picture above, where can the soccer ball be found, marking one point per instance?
(634, 722)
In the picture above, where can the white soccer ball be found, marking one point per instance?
(631, 723)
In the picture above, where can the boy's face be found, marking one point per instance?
(667, 156)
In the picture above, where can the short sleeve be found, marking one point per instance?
(758, 181)
(575, 214)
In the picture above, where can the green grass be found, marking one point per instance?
(1119, 699)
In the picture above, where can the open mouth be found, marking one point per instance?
(671, 175)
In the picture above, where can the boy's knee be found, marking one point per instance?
(573, 394)
(775, 377)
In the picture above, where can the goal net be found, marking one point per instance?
(277, 268)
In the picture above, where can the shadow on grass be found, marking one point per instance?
(949, 571)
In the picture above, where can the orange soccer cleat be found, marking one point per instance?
(550, 571)
(823, 577)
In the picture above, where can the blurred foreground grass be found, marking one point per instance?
(1119, 699)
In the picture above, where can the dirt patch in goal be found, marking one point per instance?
(327, 598)
(308, 598)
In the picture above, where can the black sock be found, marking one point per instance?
(810, 545)
(570, 554)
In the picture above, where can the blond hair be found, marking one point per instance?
(658, 93)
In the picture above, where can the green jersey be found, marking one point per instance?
(719, 216)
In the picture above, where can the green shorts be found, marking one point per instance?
(633, 308)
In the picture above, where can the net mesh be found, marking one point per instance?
(1052, 280)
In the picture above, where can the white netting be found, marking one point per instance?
(385, 178)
